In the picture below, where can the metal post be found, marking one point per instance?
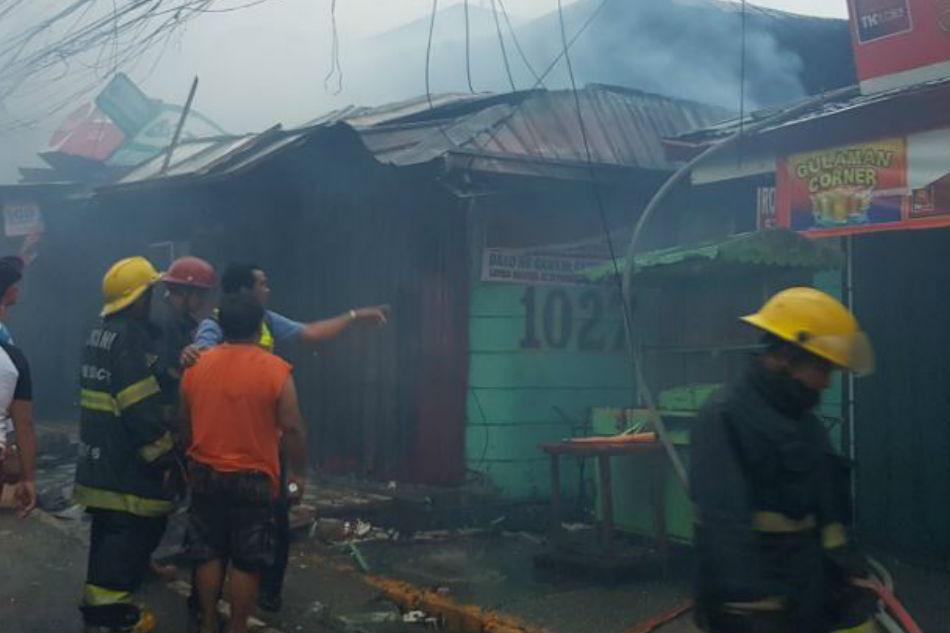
(607, 504)
(849, 301)
(555, 493)
(181, 124)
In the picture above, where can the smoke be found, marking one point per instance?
(266, 65)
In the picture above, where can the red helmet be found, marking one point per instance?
(191, 271)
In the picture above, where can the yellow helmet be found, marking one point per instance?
(818, 323)
(125, 282)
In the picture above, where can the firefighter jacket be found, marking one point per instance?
(124, 441)
(772, 501)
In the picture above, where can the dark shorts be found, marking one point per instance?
(231, 517)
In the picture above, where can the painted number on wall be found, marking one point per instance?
(588, 321)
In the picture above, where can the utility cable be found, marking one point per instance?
(625, 308)
(468, 51)
(482, 145)
(629, 298)
(335, 68)
(435, 9)
(514, 38)
(742, 63)
(501, 43)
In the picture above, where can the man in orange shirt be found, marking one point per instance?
(238, 400)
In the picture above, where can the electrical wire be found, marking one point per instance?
(335, 68)
(121, 33)
(483, 144)
(587, 152)
(468, 51)
(501, 43)
(631, 253)
(435, 9)
(514, 38)
(742, 63)
(592, 174)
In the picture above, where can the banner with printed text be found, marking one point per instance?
(889, 184)
(528, 267)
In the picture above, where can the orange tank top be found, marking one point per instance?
(231, 394)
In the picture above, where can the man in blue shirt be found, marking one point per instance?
(251, 279)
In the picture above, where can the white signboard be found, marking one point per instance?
(522, 267)
(21, 218)
(765, 208)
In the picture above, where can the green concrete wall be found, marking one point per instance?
(535, 350)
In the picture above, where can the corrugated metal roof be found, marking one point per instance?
(624, 128)
(366, 116)
(191, 156)
(846, 100)
(779, 247)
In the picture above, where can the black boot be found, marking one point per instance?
(117, 618)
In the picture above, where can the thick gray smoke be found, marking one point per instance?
(683, 48)
(267, 64)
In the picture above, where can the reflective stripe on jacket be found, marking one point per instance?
(122, 431)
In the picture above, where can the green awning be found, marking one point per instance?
(778, 247)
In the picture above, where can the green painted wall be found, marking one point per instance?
(535, 350)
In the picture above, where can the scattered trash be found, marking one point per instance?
(527, 536)
(316, 608)
(413, 617)
(358, 557)
(576, 527)
(302, 516)
(378, 619)
(74, 512)
(54, 498)
(443, 591)
(359, 529)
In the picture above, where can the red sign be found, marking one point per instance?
(87, 132)
(900, 42)
(875, 186)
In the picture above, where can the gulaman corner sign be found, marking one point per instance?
(888, 184)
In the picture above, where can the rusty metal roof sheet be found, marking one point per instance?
(624, 128)
(846, 100)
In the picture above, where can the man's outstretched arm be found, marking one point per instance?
(327, 329)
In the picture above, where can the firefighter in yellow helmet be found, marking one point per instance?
(772, 499)
(124, 451)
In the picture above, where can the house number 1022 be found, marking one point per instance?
(558, 319)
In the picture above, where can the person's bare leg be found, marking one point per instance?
(209, 577)
(243, 596)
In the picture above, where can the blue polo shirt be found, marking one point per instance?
(209, 332)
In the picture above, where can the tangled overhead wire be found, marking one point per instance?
(88, 40)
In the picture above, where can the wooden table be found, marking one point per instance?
(603, 451)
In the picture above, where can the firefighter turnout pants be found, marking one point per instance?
(120, 550)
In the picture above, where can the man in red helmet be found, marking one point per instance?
(189, 284)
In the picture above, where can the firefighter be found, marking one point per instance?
(123, 468)
(189, 283)
(772, 498)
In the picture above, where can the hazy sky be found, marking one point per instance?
(388, 13)
(267, 63)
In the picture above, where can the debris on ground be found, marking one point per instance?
(576, 527)
(302, 517)
(372, 618)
